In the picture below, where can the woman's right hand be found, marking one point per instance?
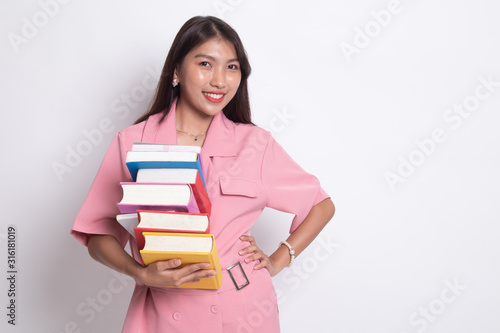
(166, 274)
(108, 251)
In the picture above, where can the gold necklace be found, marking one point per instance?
(195, 135)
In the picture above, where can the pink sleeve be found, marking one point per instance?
(289, 188)
(98, 213)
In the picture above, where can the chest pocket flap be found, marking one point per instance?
(238, 186)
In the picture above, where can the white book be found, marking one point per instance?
(144, 146)
(167, 175)
(161, 156)
(176, 243)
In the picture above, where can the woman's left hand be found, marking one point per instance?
(265, 260)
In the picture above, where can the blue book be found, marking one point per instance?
(161, 160)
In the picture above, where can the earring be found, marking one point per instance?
(175, 83)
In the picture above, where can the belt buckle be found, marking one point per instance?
(232, 277)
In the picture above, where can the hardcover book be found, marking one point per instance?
(157, 221)
(137, 160)
(189, 248)
(178, 197)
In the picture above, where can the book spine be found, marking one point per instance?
(201, 196)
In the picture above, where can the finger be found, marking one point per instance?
(192, 268)
(167, 264)
(261, 264)
(196, 276)
(185, 275)
(249, 249)
(206, 273)
(256, 256)
(248, 238)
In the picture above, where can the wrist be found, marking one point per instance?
(136, 271)
(291, 252)
(280, 259)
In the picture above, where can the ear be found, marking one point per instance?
(176, 71)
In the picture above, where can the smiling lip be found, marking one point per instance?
(215, 97)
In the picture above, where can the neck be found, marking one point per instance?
(191, 121)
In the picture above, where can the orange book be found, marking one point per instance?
(189, 248)
(158, 221)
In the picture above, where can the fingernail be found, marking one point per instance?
(241, 253)
(247, 260)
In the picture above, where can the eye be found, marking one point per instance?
(233, 67)
(205, 64)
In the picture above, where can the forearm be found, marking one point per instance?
(108, 251)
(307, 231)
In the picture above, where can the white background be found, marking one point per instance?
(347, 87)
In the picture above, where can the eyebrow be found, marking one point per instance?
(201, 55)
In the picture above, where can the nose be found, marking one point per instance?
(218, 78)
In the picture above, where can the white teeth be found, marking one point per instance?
(216, 96)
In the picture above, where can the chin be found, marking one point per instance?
(211, 112)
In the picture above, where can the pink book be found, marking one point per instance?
(157, 196)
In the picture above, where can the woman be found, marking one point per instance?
(245, 170)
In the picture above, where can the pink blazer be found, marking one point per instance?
(245, 171)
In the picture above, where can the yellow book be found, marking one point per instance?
(190, 248)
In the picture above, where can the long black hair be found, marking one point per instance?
(193, 33)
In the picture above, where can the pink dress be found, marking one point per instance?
(245, 170)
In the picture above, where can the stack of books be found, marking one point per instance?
(167, 208)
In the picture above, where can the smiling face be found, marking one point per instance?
(208, 77)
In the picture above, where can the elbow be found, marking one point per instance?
(325, 210)
(92, 247)
(96, 246)
(330, 209)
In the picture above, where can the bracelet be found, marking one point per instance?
(290, 250)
